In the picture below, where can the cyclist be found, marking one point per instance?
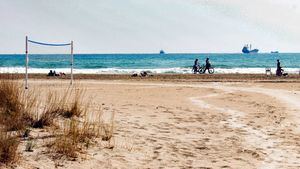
(196, 66)
(207, 65)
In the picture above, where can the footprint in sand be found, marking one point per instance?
(274, 155)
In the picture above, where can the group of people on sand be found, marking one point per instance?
(53, 73)
(196, 66)
(142, 74)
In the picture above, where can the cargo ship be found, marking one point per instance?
(161, 52)
(248, 49)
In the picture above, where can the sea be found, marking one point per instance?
(153, 63)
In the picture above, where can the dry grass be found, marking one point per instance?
(8, 148)
(76, 108)
(79, 135)
(51, 110)
(21, 110)
(56, 105)
(75, 137)
(63, 146)
(107, 129)
(15, 106)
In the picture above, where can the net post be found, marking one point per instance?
(26, 62)
(72, 62)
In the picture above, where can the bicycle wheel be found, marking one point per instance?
(211, 70)
(201, 70)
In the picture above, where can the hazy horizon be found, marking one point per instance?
(146, 26)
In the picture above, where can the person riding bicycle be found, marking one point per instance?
(279, 70)
(196, 66)
(207, 65)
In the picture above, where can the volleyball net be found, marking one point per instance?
(42, 55)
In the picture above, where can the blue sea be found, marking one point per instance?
(155, 63)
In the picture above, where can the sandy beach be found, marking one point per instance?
(187, 124)
(155, 84)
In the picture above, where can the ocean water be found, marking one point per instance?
(155, 63)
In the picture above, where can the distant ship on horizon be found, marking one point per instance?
(161, 52)
(248, 49)
(274, 52)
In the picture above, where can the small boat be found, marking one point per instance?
(247, 49)
(274, 52)
(161, 52)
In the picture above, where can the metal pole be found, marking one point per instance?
(26, 66)
(72, 62)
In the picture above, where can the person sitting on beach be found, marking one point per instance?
(55, 74)
(50, 73)
(207, 65)
(196, 66)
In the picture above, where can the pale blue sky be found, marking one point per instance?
(146, 26)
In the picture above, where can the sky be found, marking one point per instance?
(147, 26)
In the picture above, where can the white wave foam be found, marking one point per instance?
(130, 71)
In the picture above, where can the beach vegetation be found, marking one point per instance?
(15, 107)
(65, 114)
(79, 134)
(8, 148)
(76, 107)
(57, 106)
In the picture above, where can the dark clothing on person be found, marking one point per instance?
(279, 69)
(53, 73)
(50, 73)
(196, 66)
(278, 65)
(207, 65)
(196, 62)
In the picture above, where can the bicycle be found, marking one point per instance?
(201, 69)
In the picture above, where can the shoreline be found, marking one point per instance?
(166, 77)
(170, 70)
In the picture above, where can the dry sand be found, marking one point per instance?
(188, 125)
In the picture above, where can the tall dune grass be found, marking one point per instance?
(23, 109)
(8, 148)
(70, 142)
(15, 108)
(76, 107)
(78, 135)
(57, 105)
